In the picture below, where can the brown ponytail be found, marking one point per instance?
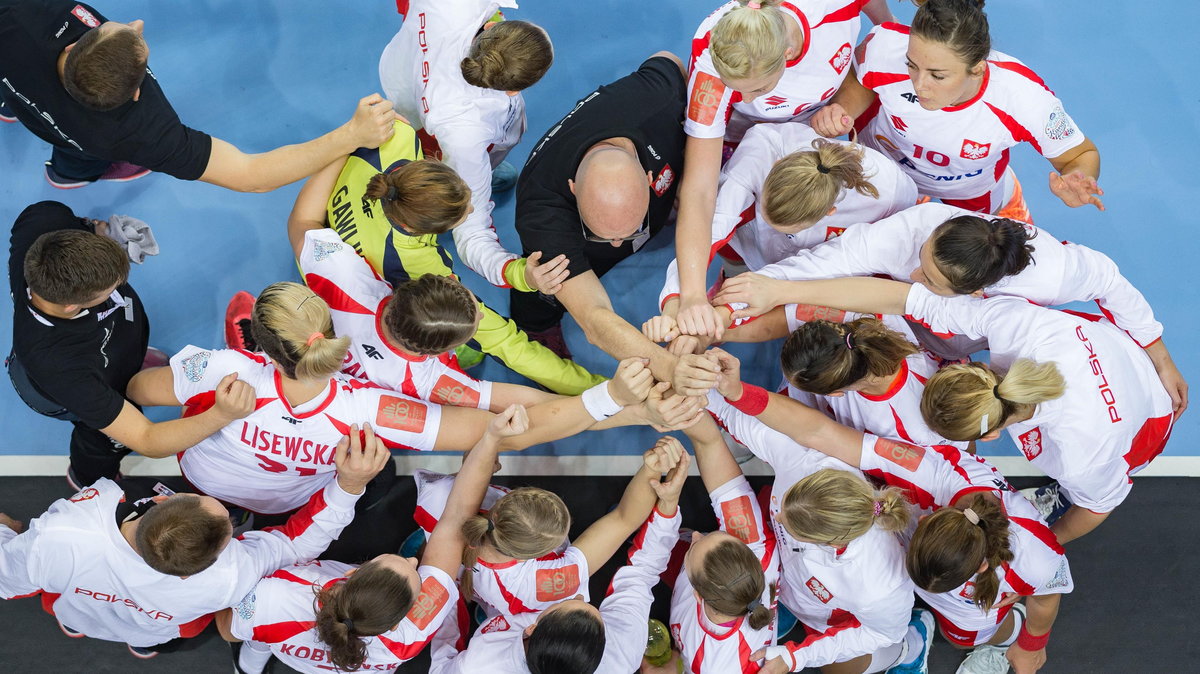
(834, 507)
(802, 187)
(957, 397)
(948, 549)
(974, 253)
(731, 580)
(525, 523)
(823, 357)
(424, 196)
(960, 25)
(430, 315)
(292, 325)
(509, 56)
(371, 601)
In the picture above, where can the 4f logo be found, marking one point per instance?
(372, 352)
(911, 98)
(290, 420)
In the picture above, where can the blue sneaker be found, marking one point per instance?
(504, 177)
(411, 547)
(922, 622)
(1049, 500)
(785, 622)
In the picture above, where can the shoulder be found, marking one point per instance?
(1012, 73)
(195, 363)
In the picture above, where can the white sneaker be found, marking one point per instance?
(985, 660)
(1050, 501)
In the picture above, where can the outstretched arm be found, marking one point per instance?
(234, 400)
(308, 213)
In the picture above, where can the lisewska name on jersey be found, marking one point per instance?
(295, 449)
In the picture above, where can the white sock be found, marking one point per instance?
(254, 657)
(895, 654)
(1018, 623)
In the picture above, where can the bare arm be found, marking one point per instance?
(878, 12)
(230, 167)
(504, 395)
(1075, 523)
(1170, 376)
(717, 466)
(308, 213)
(586, 300)
(771, 325)
(1078, 171)
(234, 400)
(1042, 610)
(693, 233)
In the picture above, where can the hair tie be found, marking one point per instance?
(392, 193)
(821, 168)
(349, 624)
(754, 4)
(314, 337)
(878, 507)
(971, 516)
(754, 605)
(849, 340)
(491, 526)
(983, 426)
(996, 392)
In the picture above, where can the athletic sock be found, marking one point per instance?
(895, 654)
(1018, 623)
(253, 657)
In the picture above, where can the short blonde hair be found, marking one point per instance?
(957, 397)
(286, 321)
(749, 42)
(835, 507)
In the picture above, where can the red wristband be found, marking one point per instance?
(753, 401)
(1028, 642)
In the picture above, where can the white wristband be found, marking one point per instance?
(781, 652)
(599, 402)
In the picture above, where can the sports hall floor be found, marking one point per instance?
(268, 72)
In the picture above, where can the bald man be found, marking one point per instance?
(597, 186)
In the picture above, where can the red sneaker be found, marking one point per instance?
(155, 358)
(237, 322)
(123, 172)
(552, 338)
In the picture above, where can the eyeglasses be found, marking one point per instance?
(590, 236)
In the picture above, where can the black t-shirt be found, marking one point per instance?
(83, 363)
(146, 132)
(646, 107)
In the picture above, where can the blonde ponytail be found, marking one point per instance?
(293, 326)
(968, 401)
(834, 507)
(802, 187)
(525, 523)
(749, 43)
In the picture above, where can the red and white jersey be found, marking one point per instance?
(279, 613)
(1059, 272)
(829, 29)
(468, 127)
(497, 645)
(708, 647)
(433, 491)
(959, 153)
(1114, 416)
(357, 297)
(737, 222)
(820, 585)
(273, 459)
(937, 477)
(76, 555)
(531, 585)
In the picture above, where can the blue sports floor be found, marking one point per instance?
(264, 73)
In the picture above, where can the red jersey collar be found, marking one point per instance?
(893, 388)
(303, 415)
(987, 75)
(703, 621)
(805, 32)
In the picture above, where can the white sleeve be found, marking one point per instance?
(195, 371)
(446, 385)
(1052, 130)
(434, 606)
(16, 572)
(766, 443)
(402, 422)
(302, 538)
(882, 623)
(339, 275)
(854, 253)
(947, 316)
(478, 245)
(1097, 277)
(709, 101)
(448, 653)
(740, 515)
(627, 607)
(931, 477)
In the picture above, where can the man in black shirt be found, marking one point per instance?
(596, 187)
(80, 334)
(81, 83)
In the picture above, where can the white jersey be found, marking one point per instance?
(97, 584)
(280, 613)
(736, 220)
(433, 491)
(496, 647)
(822, 586)
(357, 298)
(829, 29)
(959, 153)
(468, 127)
(1059, 273)
(531, 585)
(710, 648)
(937, 477)
(274, 458)
(1114, 416)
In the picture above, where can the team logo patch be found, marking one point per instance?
(972, 150)
(739, 519)
(557, 584)
(195, 365)
(812, 312)
(1062, 577)
(1031, 443)
(706, 98)
(497, 624)
(87, 18)
(665, 179)
(85, 495)
(402, 414)
(676, 628)
(323, 249)
(245, 608)
(447, 391)
(841, 58)
(902, 454)
(833, 232)
(1059, 125)
(429, 603)
(968, 591)
(818, 590)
